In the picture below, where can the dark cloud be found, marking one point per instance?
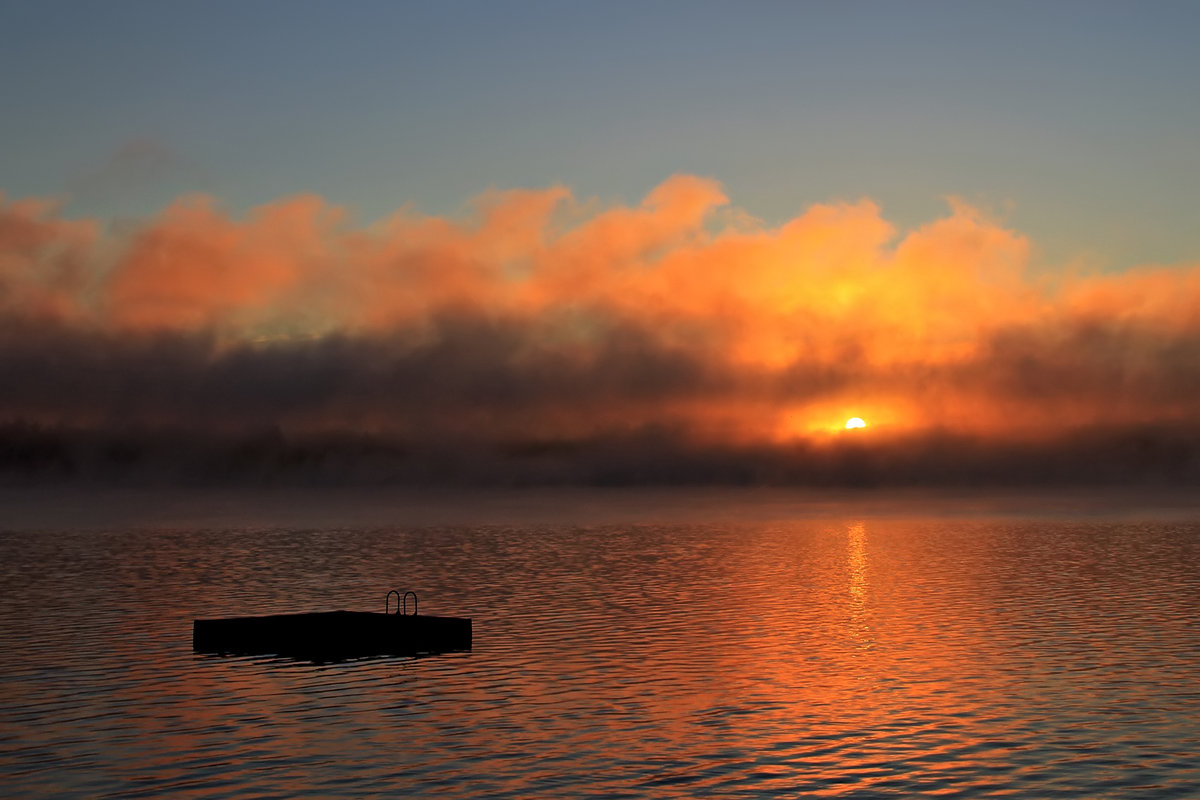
(488, 402)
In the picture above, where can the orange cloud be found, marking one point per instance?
(538, 316)
(194, 268)
(47, 264)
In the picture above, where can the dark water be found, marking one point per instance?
(833, 656)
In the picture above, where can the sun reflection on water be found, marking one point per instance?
(860, 628)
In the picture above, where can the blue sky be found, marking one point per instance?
(1076, 122)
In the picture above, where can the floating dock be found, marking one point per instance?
(334, 635)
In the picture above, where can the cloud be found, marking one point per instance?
(47, 264)
(137, 167)
(540, 337)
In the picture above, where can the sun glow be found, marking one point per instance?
(882, 416)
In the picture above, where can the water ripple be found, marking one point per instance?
(864, 659)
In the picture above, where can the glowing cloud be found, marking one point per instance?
(538, 317)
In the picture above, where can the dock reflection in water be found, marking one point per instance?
(865, 658)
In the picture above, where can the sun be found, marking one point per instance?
(855, 422)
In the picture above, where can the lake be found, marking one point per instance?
(695, 647)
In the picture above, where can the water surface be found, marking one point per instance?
(836, 655)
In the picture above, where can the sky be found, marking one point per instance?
(1076, 120)
(601, 241)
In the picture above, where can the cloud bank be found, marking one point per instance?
(543, 338)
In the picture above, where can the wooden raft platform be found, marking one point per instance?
(333, 635)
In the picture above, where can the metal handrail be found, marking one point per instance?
(414, 596)
(387, 600)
